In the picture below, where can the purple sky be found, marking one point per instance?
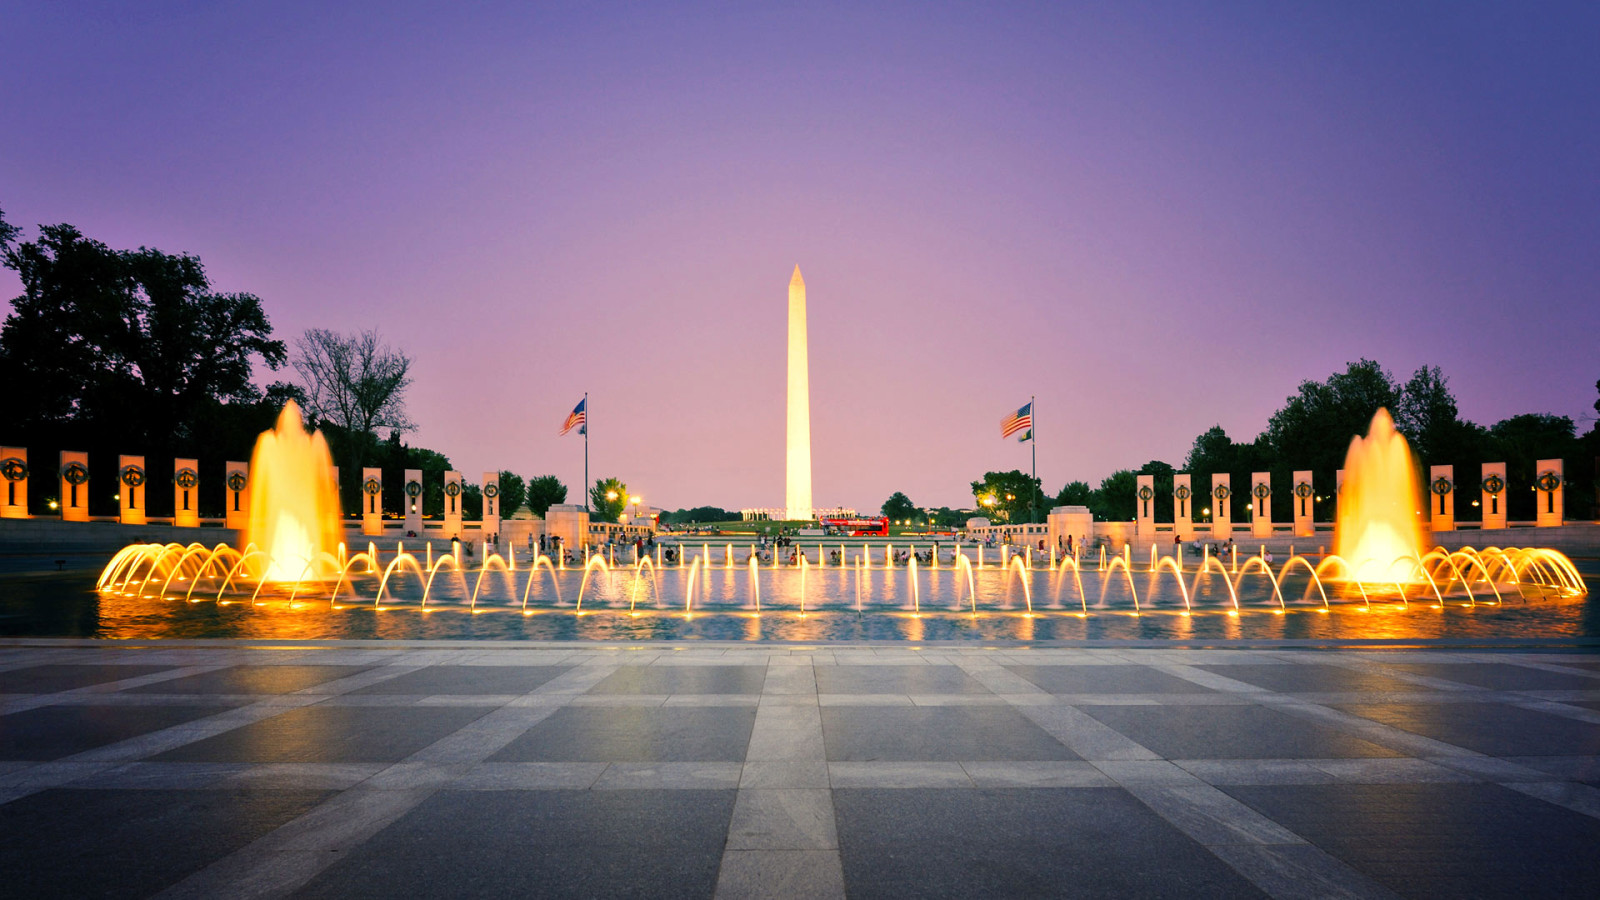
(1155, 217)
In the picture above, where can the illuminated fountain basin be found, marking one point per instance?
(718, 592)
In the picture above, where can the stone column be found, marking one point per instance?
(238, 494)
(491, 504)
(1075, 521)
(1182, 506)
(570, 523)
(1442, 498)
(186, 493)
(74, 486)
(371, 501)
(413, 501)
(1551, 487)
(14, 469)
(452, 505)
(1261, 504)
(1494, 495)
(1305, 498)
(1221, 507)
(1144, 509)
(131, 492)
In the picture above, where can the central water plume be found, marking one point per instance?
(294, 502)
(1379, 529)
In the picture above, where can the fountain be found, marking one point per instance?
(1378, 531)
(294, 502)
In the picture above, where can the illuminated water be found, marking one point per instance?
(621, 605)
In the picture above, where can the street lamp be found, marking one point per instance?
(635, 501)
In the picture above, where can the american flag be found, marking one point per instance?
(579, 418)
(1021, 420)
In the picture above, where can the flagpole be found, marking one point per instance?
(1033, 441)
(585, 451)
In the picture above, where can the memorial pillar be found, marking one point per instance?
(1442, 498)
(1552, 489)
(372, 501)
(452, 505)
(1305, 499)
(1182, 507)
(238, 495)
(491, 504)
(186, 493)
(1494, 495)
(74, 486)
(14, 469)
(1261, 504)
(131, 493)
(1221, 508)
(1144, 510)
(413, 501)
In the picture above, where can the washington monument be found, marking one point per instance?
(797, 495)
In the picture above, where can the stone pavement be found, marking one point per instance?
(215, 769)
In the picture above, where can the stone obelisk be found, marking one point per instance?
(797, 495)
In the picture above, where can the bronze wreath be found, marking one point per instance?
(1548, 480)
(132, 476)
(186, 478)
(75, 473)
(372, 487)
(1494, 484)
(237, 481)
(13, 468)
(1441, 486)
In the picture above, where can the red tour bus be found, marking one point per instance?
(873, 527)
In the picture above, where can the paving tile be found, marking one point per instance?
(1020, 842)
(1306, 678)
(546, 843)
(130, 843)
(48, 679)
(669, 776)
(683, 679)
(1063, 773)
(1231, 732)
(1498, 729)
(252, 680)
(1504, 676)
(51, 732)
(1443, 840)
(330, 734)
(467, 680)
(1107, 679)
(631, 734)
(935, 733)
(897, 680)
(789, 819)
(780, 875)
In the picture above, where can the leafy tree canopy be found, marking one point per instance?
(545, 491)
(513, 490)
(898, 507)
(128, 343)
(1008, 496)
(607, 499)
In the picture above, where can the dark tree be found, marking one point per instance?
(131, 346)
(513, 490)
(545, 491)
(1075, 493)
(898, 507)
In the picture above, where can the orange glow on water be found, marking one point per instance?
(1379, 531)
(294, 503)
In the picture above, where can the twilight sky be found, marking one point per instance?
(1156, 217)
